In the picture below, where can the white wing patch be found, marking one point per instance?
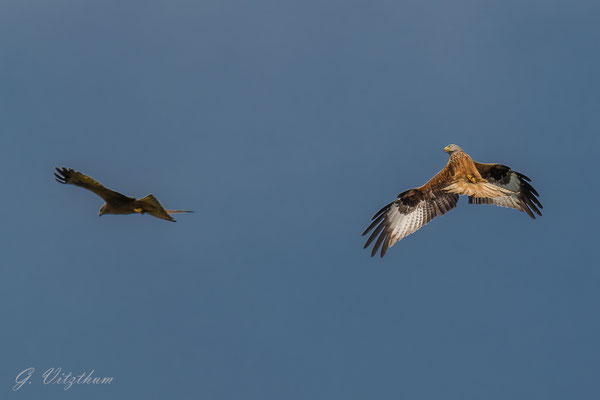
(514, 184)
(402, 225)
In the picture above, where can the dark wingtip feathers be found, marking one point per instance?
(523, 176)
(60, 177)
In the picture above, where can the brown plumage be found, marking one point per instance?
(116, 203)
(483, 183)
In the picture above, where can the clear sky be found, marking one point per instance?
(285, 125)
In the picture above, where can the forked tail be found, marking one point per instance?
(178, 211)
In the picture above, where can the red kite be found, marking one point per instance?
(483, 183)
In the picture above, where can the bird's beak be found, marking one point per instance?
(446, 149)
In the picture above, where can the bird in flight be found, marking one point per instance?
(483, 183)
(116, 203)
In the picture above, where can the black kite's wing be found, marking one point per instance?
(150, 205)
(68, 175)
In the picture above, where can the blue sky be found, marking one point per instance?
(285, 126)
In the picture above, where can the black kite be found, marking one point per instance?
(116, 203)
